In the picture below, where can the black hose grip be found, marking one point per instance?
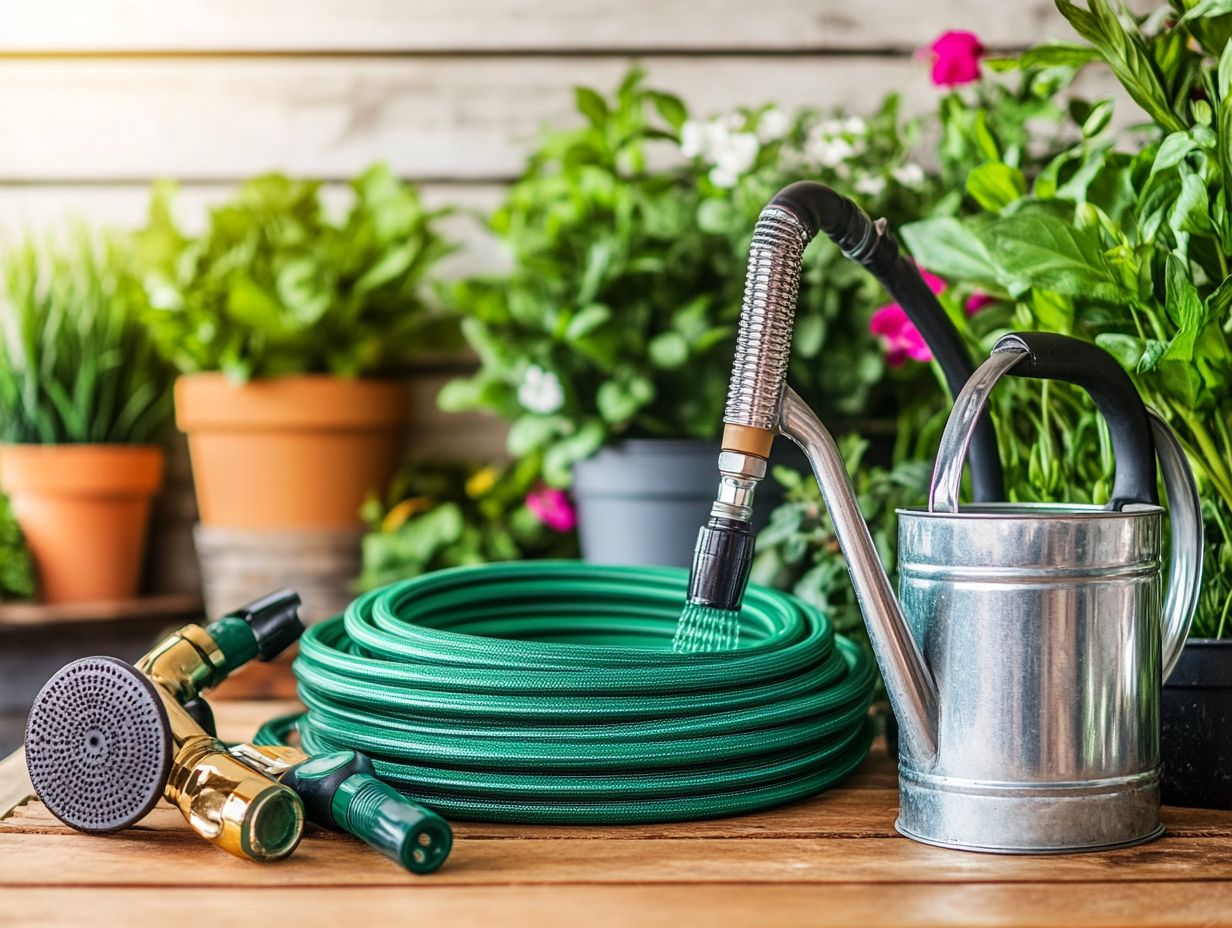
(274, 620)
(1059, 357)
(874, 246)
(722, 560)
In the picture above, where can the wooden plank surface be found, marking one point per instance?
(1149, 905)
(500, 25)
(169, 607)
(448, 117)
(834, 858)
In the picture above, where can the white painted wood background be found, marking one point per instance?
(99, 97)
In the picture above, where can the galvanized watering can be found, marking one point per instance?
(1025, 662)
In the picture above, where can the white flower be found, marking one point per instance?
(721, 177)
(540, 391)
(692, 139)
(909, 174)
(773, 125)
(854, 125)
(739, 154)
(161, 294)
(829, 151)
(871, 185)
(829, 128)
(717, 134)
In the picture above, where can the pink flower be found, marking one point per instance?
(902, 339)
(552, 508)
(978, 301)
(956, 58)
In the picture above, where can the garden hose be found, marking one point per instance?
(548, 692)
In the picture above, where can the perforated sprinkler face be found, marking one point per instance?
(98, 745)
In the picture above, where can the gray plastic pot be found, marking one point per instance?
(642, 501)
(1196, 736)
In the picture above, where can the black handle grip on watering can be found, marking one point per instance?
(874, 246)
(1059, 357)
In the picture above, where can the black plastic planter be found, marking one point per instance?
(642, 501)
(1196, 740)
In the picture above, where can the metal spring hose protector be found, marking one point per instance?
(763, 342)
(548, 692)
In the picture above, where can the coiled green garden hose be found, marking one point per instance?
(548, 692)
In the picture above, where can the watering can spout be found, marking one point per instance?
(908, 681)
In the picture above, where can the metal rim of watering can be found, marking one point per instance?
(1184, 503)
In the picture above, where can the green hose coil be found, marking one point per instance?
(548, 692)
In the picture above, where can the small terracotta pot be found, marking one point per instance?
(290, 452)
(85, 512)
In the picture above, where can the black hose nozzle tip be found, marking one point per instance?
(722, 560)
(274, 620)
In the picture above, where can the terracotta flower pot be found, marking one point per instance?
(291, 452)
(85, 512)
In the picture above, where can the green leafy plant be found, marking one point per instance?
(450, 514)
(1129, 247)
(1017, 120)
(629, 237)
(798, 550)
(274, 286)
(76, 365)
(16, 567)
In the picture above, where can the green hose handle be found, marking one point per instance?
(340, 791)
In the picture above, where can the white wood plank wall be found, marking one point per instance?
(99, 97)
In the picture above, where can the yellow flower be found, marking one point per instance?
(481, 481)
(404, 510)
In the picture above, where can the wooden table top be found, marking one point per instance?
(832, 860)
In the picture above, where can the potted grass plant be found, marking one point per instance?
(83, 397)
(607, 346)
(1127, 242)
(293, 332)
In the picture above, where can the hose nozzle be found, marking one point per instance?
(723, 555)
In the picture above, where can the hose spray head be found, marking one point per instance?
(723, 555)
(106, 740)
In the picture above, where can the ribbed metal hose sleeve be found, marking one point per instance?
(763, 343)
(548, 692)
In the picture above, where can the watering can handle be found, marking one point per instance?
(1046, 356)
(1187, 543)
(1138, 436)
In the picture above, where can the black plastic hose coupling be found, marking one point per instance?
(722, 560)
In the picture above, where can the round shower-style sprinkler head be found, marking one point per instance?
(98, 745)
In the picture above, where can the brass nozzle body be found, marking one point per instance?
(184, 663)
(227, 802)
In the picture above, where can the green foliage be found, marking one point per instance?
(16, 567)
(76, 365)
(798, 550)
(275, 286)
(1130, 248)
(448, 514)
(629, 237)
(992, 147)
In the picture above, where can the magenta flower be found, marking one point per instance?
(552, 508)
(978, 301)
(956, 58)
(902, 339)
